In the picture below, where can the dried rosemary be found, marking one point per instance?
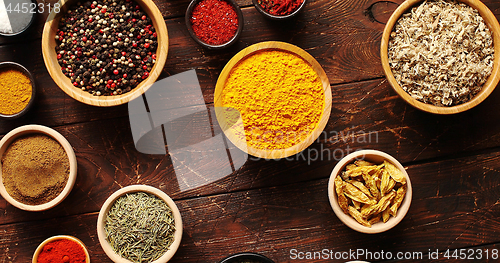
(441, 52)
(140, 227)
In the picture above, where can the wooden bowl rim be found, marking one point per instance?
(133, 189)
(274, 45)
(488, 87)
(38, 129)
(376, 157)
(59, 237)
(64, 83)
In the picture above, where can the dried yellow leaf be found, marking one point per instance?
(375, 219)
(363, 163)
(362, 188)
(394, 172)
(386, 200)
(369, 210)
(385, 215)
(384, 184)
(355, 194)
(400, 195)
(341, 198)
(358, 217)
(356, 204)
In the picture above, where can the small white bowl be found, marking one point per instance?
(377, 157)
(101, 220)
(38, 129)
(54, 238)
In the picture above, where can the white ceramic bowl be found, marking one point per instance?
(377, 157)
(38, 129)
(101, 220)
(54, 238)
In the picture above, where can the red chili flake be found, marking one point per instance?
(214, 22)
(280, 7)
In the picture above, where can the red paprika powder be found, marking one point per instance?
(214, 22)
(280, 7)
(62, 251)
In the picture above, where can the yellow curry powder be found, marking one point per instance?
(15, 91)
(279, 96)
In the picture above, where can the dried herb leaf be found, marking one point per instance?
(358, 217)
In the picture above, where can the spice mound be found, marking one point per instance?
(35, 169)
(106, 47)
(280, 7)
(62, 250)
(214, 22)
(15, 91)
(279, 96)
(140, 227)
(370, 193)
(441, 52)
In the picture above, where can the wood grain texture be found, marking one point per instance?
(456, 205)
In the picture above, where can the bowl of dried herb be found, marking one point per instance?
(370, 191)
(105, 52)
(38, 168)
(139, 223)
(442, 57)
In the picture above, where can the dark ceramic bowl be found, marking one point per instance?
(247, 256)
(189, 11)
(266, 14)
(33, 15)
(13, 65)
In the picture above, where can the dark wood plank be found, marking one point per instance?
(455, 205)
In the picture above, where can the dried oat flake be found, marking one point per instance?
(441, 52)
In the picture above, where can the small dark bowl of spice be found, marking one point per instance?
(66, 249)
(13, 21)
(279, 9)
(214, 24)
(17, 90)
(139, 209)
(38, 168)
(247, 257)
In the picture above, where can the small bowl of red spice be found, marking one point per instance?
(214, 24)
(279, 9)
(65, 249)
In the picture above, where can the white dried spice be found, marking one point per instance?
(441, 52)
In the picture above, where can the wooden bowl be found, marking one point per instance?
(54, 238)
(488, 87)
(273, 17)
(50, 58)
(101, 221)
(19, 67)
(233, 40)
(277, 153)
(376, 157)
(38, 129)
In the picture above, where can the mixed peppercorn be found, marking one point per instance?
(106, 47)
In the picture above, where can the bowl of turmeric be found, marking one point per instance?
(272, 100)
(17, 90)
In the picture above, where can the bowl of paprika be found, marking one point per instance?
(61, 249)
(214, 24)
(279, 9)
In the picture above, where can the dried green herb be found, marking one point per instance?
(140, 227)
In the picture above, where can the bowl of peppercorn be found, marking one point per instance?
(214, 24)
(279, 9)
(105, 52)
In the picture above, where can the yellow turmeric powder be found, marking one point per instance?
(15, 91)
(279, 96)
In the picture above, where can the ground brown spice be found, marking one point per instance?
(35, 169)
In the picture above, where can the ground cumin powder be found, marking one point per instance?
(279, 96)
(35, 169)
(15, 91)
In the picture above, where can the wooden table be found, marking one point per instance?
(273, 207)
